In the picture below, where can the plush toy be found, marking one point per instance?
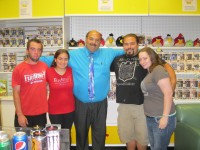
(179, 41)
(72, 43)
(197, 43)
(189, 43)
(157, 41)
(102, 42)
(110, 41)
(119, 41)
(81, 43)
(168, 41)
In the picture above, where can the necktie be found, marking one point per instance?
(91, 77)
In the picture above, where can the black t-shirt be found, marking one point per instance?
(129, 74)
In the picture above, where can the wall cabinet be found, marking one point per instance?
(44, 8)
(88, 7)
(171, 7)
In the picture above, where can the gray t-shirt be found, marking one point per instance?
(153, 96)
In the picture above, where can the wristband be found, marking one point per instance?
(165, 115)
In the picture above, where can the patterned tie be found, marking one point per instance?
(91, 77)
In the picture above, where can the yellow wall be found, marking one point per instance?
(133, 7)
(51, 8)
(170, 7)
(9, 8)
(40, 8)
(47, 8)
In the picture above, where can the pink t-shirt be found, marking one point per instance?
(32, 81)
(61, 98)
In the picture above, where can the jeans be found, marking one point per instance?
(159, 138)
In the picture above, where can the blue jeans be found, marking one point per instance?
(159, 138)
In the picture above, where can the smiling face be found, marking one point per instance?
(93, 40)
(130, 45)
(145, 60)
(61, 61)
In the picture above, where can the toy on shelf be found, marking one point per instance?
(168, 41)
(157, 41)
(110, 41)
(72, 43)
(189, 43)
(81, 43)
(119, 41)
(196, 43)
(179, 41)
(102, 42)
(141, 39)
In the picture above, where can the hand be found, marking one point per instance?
(22, 120)
(163, 122)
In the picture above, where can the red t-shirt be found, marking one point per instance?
(61, 98)
(32, 81)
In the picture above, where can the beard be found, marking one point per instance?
(34, 59)
(130, 52)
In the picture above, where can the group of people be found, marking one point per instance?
(79, 81)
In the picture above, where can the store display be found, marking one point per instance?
(119, 41)
(81, 43)
(141, 39)
(72, 43)
(102, 42)
(110, 41)
(196, 42)
(179, 41)
(157, 41)
(189, 43)
(168, 41)
(8, 61)
(9, 37)
(3, 87)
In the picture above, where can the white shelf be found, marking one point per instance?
(140, 47)
(1, 72)
(6, 98)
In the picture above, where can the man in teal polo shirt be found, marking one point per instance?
(91, 108)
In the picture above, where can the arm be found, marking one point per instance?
(167, 91)
(172, 75)
(21, 118)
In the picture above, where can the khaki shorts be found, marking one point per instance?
(132, 124)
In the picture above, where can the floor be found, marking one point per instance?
(118, 148)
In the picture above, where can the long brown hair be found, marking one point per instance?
(154, 57)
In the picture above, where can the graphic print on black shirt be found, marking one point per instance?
(129, 75)
(127, 70)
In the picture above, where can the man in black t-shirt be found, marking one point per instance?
(131, 120)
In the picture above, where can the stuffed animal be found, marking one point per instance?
(81, 43)
(168, 41)
(189, 43)
(196, 43)
(179, 41)
(102, 42)
(72, 43)
(110, 41)
(157, 41)
(119, 41)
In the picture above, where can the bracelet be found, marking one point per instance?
(165, 115)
